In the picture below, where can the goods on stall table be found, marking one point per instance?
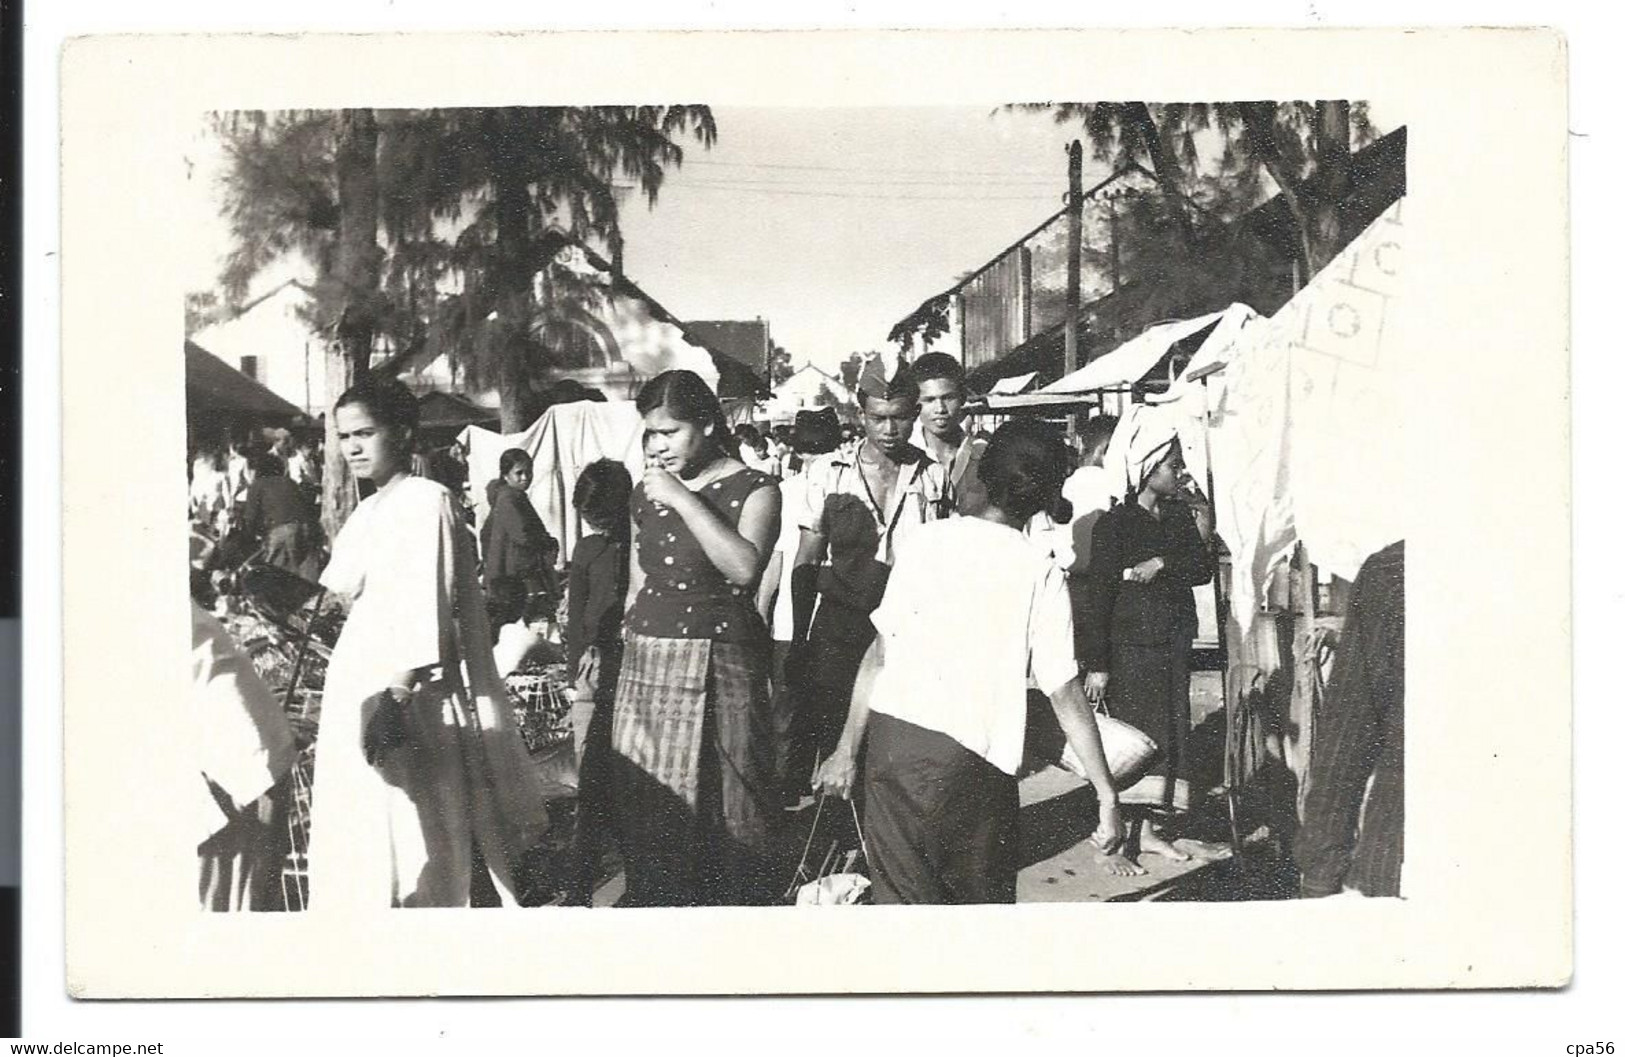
(272, 638)
(296, 867)
(541, 705)
(273, 650)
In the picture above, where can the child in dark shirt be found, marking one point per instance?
(597, 599)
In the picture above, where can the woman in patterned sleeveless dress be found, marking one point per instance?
(693, 752)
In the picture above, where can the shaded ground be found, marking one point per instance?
(1057, 815)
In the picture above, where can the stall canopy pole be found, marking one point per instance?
(1303, 685)
(1234, 775)
(1074, 262)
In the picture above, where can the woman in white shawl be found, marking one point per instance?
(419, 762)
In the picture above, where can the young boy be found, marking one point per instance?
(597, 599)
(941, 429)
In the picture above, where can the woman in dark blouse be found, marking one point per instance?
(518, 550)
(1138, 616)
(692, 737)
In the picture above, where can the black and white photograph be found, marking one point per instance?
(517, 587)
(644, 520)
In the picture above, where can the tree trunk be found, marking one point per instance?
(1164, 166)
(1258, 123)
(357, 275)
(359, 257)
(338, 485)
(1332, 166)
(514, 397)
(515, 271)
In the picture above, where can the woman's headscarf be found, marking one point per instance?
(1143, 438)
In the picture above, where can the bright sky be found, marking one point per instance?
(831, 224)
(834, 224)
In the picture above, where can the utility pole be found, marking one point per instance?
(1117, 260)
(1074, 262)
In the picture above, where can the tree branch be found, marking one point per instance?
(1258, 124)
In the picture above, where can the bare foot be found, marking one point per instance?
(1119, 865)
(1152, 843)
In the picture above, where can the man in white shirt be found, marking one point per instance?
(940, 431)
(943, 701)
(857, 511)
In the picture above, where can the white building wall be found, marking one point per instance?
(291, 359)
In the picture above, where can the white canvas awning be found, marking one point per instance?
(1131, 361)
(1012, 385)
(1220, 345)
(995, 403)
(562, 442)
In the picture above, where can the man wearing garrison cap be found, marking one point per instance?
(859, 507)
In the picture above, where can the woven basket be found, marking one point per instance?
(1130, 752)
(541, 706)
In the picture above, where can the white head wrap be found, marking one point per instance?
(1142, 439)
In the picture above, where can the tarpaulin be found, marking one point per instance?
(1348, 431)
(1248, 441)
(1012, 385)
(1304, 426)
(562, 442)
(1219, 346)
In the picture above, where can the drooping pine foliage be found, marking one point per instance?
(432, 231)
(472, 208)
(1215, 161)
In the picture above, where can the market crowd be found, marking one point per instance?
(764, 618)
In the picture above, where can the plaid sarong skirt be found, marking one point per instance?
(693, 760)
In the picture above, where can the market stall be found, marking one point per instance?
(1298, 420)
(1294, 426)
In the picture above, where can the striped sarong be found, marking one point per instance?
(660, 710)
(693, 762)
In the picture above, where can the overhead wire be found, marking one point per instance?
(871, 170)
(675, 177)
(909, 190)
(790, 192)
(866, 182)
